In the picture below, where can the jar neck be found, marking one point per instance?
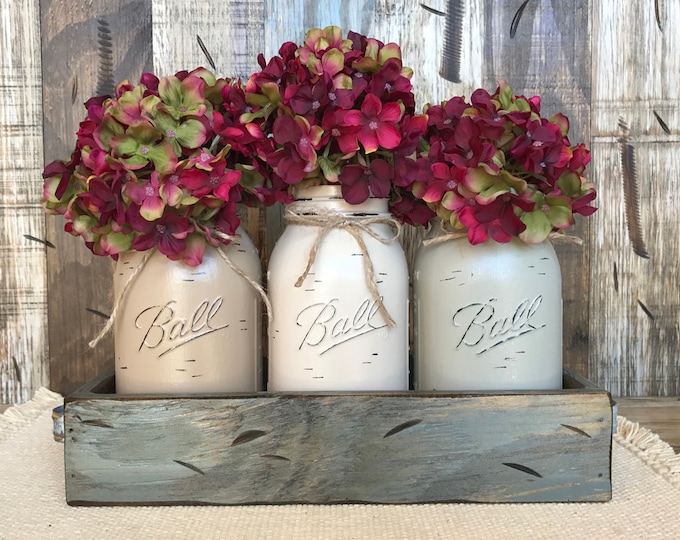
(440, 230)
(327, 197)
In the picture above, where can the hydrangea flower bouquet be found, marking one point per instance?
(159, 164)
(339, 111)
(496, 168)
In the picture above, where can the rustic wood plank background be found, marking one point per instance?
(598, 62)
(23, 300)
(87, 46)
(635, 300)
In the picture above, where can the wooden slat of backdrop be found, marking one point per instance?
(233, 34)
(549, 56)
(87, 46)
(635, 320)
(23, 318)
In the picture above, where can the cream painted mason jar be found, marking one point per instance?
(488, 316)
(328, 333)
(186, 329)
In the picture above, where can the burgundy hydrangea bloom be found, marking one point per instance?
(168, 233)
(446, 115)
(161, 164)
(582, 204)
(306, 100)
(496, 219)
(378, 124)
(287, 165)
(61, 171)
(390, 84)
(499, 170)
(410, 210)
(337, 110)
(147, 195)
(104, 198)
(344, 137)
(444, 179)
(214, 181)
(412, 130)
(467, 147)
(358, 183)
(296, 133)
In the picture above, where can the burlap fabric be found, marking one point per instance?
(645, 505)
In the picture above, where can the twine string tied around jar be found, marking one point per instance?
(356, 226)
(147, 255)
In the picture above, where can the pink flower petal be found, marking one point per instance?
(347, 142)
(388, 136)
(152, 208)
(391, 112)
(477, 235)
(332, 62)
(355, 193)
(372, 106)
(369, 140)
(195, 248)
(351, 118)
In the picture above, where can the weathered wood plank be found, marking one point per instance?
(660, 415)
(324, 448)
(635, 328)
(86, 48)
(232, 33)
(23, 290)
(549, 56)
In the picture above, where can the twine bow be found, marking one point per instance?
(147, 255)
(356, 226)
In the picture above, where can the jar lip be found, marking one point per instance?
(317, 192)
(330, 197)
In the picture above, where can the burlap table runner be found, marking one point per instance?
(645, 505)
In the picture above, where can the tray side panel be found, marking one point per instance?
(336, 449)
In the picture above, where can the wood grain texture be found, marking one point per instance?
(232, 32)
(324, 448)
(23, 287)
(93, 42)
(660, 415)
(635, 327)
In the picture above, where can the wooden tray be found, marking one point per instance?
(397, 447)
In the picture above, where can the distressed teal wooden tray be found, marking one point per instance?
(403, 447)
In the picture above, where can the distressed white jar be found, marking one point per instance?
(488, 316)
(328, 333)
(189, 329)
